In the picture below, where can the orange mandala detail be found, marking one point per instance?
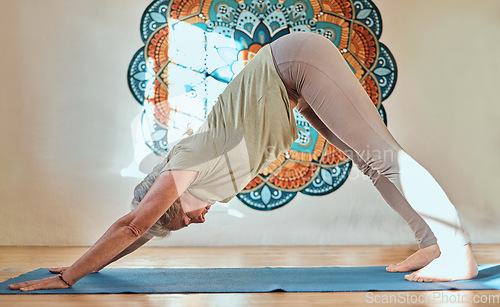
(363, 45)
(293, 175)
(316, 6)
(246, 55)
(271, 167)
(193, 20)
(333, 155)
(358, 70)
(340, 7)
(162, 108)
(158, 48)
(252, 184)
(371, 88)
(184, 8)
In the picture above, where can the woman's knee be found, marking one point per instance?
(376, 163)
(364, 167)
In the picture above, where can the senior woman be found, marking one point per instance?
(251, 124)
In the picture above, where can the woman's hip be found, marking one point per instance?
(303, 58)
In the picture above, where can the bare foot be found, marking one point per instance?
(454, 264)
(417, 260)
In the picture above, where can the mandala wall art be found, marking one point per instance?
(193, 48)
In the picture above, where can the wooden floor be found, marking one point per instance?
(17, 260)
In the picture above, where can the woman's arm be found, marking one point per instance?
(125, 231)
(134, 246)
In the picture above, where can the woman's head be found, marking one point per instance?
(159, 229)
(174, 218)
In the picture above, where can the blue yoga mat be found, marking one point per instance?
(241, 280)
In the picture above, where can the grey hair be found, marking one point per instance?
(159, 229)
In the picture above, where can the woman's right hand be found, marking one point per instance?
(53, 282)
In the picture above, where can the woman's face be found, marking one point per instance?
(183, 219)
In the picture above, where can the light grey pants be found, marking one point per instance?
(333, 101)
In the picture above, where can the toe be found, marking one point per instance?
(415, 276)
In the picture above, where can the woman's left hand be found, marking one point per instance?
(53, 282)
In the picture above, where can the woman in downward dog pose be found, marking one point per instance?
(251, 124)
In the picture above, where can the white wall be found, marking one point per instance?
(66, 111)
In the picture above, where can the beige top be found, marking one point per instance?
(251, 124)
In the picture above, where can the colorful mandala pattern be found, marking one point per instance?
(194, 48)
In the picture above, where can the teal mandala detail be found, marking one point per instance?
(193, 49)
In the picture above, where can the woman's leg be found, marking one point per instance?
(343, 106)
(322, 77)
(394, 172)
(425, 238)
(387, 189)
